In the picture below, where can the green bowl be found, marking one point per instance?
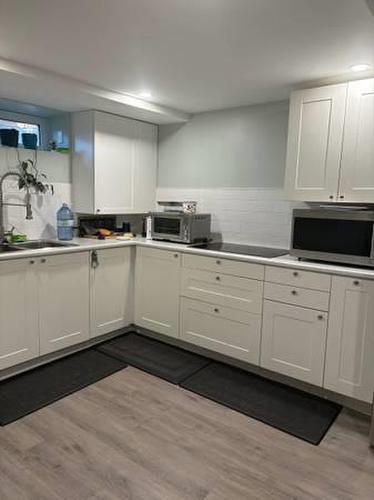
(18, 238)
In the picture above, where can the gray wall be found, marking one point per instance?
(237, 147)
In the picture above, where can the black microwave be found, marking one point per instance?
(334, 235)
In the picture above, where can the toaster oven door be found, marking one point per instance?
(168, 227)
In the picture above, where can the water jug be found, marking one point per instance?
(65, 223)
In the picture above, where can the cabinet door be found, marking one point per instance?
(349, 366)
(145, 167)
(64, 300)
(114, 164)
(357, 174)
(315, 137)
(225, 330)
(19, 334)
(157, 282)
(111, 290)
(293, 341)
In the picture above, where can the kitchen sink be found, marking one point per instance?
(40, 244)
(8, 248)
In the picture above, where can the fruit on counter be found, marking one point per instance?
(103, 232)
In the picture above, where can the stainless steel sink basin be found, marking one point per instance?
(40, 244)
(4, 248)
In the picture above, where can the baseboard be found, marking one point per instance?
(347, 402)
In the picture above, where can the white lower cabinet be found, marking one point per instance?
(157, 282)
(233, 332)
(110, 290)
(63, 300)
(350, 342)
(293, 341)
(19, 333)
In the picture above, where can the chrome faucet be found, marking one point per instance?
(27, 204)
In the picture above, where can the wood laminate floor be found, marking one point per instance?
(134, 436)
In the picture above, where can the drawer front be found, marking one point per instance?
(224, 266)
(223, 289)
(221, 329)
(314, 299)
(294, 277)
(155, 253)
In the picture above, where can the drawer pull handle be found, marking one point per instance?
(218, 278)
(320, 316)
(216, 310)
(356, 282)
(43, 261)
(218, 262)
(176, 255)
(294, 292)
(32, 261)
(295, 273)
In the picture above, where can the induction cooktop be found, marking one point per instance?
(221, 246)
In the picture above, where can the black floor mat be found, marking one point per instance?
(295, 412)
(160, 359)
(42, 386)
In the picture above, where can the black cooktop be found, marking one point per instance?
(221, 246)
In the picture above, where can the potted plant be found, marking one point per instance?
(32, 178)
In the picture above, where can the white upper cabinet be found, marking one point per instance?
(330, 155)
(357, 169)
(114, 164)
(315, 137)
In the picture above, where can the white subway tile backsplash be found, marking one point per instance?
(242, 215)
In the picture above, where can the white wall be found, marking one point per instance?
(239, 147)
(232, 162)
(57, 167)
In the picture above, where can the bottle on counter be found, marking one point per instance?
(148, 227)
(65, 223)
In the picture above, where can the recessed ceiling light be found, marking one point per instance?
(145, 94)
(360, 67)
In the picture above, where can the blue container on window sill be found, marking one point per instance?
(9, 137)
(29, 141)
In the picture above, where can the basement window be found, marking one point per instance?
(22, 127)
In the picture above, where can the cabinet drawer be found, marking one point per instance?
(221, 329)
(225, 266)
(223, 289)
(294, 277)
(314, 299)
(155, 253)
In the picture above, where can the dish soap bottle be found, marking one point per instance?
(65, 223)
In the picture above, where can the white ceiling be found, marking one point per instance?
(192, 55)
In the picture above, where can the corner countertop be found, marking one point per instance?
(86, 244)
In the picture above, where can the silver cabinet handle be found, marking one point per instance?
(94, 259)
(356, 282)
(216, 310)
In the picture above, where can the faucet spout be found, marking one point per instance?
(27, 204)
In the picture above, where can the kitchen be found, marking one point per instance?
(187, 256)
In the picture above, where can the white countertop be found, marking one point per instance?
(87, 244)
